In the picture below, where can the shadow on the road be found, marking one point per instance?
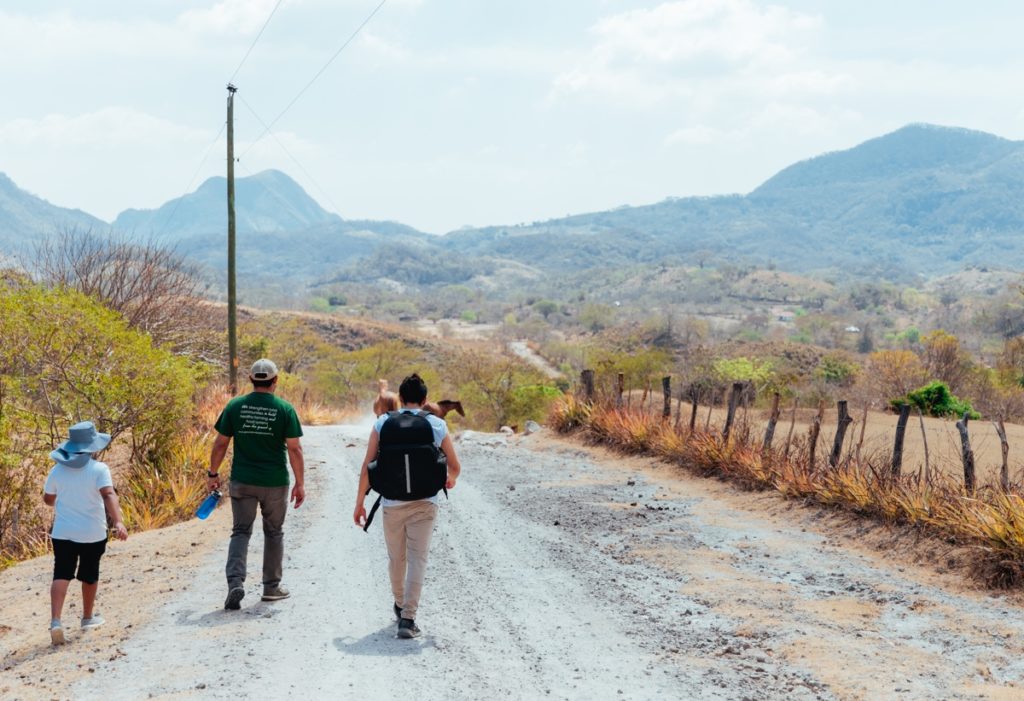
(220, 617)
(384, 643)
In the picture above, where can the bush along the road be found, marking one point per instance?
(990, 521)
(65, 358)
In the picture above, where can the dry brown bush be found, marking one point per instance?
(154, 287)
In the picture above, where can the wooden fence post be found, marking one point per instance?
(734, 398)
(897, 447)
(666, 389)
(1004, 471)
(792, 425)
(620, 387)
(769, 433)
(844, 423)
(694, 397)
(815, 432)
(966, 454)
(924, 437)
(860, 441)
(587, 378)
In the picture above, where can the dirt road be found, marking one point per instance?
(556, 572)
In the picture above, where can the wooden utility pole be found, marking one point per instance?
(232, 298)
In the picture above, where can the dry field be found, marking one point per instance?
(943, 437)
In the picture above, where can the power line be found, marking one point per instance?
(290, 155)
(253, 45)
(317, 75)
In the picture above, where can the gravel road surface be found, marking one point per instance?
(563, 572)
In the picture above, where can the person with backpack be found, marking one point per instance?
(409, 459)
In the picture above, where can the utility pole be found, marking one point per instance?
(232, 302)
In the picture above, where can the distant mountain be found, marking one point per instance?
(282, 232)
(25, 217)
(268, 202)
(923, 199)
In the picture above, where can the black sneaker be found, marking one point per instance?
(398, 612)
(234, 600)
(407, 628)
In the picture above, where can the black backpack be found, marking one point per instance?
(408, 466)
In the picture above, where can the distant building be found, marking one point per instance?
(852, 329)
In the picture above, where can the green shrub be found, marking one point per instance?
(835, 369)
(66, 358)
(935, 399)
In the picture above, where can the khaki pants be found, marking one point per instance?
(407, 532)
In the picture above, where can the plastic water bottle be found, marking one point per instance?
(208, 505)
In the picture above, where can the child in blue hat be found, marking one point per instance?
(82, 492)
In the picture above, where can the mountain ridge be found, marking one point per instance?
(922, 199)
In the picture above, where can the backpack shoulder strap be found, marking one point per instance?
(373, 512)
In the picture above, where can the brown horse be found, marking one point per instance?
(444, 407)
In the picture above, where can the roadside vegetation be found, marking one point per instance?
(989, 520)
(117, 332)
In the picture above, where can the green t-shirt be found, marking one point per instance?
(259, 422)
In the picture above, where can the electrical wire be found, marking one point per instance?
(316, 76)
(290, 155)
(253, 45)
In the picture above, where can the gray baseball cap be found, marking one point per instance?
(263, 369)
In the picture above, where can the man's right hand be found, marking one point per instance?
(212, 483)
(359, 515)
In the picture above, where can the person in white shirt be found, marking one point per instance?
(82, 493)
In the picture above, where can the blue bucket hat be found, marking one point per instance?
(83, 441)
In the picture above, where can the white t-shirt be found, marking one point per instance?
(440, 431)
(80, 515)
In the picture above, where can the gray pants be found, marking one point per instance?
(407, 531)
(273, 504)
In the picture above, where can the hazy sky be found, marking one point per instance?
(444, 113)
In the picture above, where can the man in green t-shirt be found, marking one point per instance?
(265, 429)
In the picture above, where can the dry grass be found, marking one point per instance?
(154, 496)
(989, 521)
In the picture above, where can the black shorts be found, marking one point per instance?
(67, 555)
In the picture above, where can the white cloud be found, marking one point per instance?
(107, 127)
(664, 52)
(229, 16)
(698, 135)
